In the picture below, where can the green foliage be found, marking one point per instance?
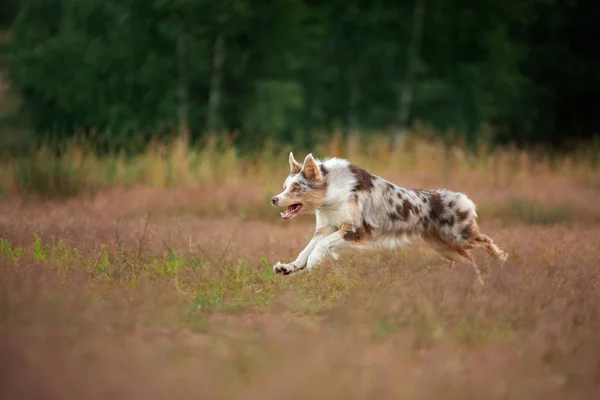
(40, 251)
(533, 212)
(268, 275)
(123, 72)
(276, 103)
(539, 214)
(50, 175)
(9, 252)
(8, 11)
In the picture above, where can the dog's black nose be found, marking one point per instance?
(274, 200)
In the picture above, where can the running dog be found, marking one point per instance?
(356, 209)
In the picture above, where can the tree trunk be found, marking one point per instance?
(214, 98)
(353, 99)
(183, 90)
(405, 94)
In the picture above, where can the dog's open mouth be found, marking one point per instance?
(291, 211)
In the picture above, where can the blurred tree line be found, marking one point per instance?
(293, 69)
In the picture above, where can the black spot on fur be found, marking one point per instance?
(364, 180)
(324, 171)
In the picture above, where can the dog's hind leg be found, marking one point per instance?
(484, 242)
(454, 254)
(469, 257)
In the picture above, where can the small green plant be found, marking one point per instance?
(40, 251)
(102, 264)
(6, 247)
(267, 273)
(173, 265)
(241, 275)
(208, 299)
(10, 252)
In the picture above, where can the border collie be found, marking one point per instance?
(356, 209)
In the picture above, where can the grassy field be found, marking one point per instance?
(149, 278)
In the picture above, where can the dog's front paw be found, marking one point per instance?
(284, 269)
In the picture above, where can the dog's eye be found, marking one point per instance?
(296, 190)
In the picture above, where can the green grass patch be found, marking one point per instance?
(530, 212)
(204, 285)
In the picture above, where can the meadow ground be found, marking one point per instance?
(144, 292)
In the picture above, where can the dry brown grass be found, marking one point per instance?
(99, 300)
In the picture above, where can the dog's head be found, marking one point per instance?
(303, 190)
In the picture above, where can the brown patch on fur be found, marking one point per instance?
(449, 220)
(313, 198)
(401, 212)
(462, 215)
(353, 233)
(356, 234)
(407, 207)
(469, 231)
(364, 179)
(437, 206)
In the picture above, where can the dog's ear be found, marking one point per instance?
(311, 169)
(295, 166)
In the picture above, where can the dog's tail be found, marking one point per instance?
(488, 244)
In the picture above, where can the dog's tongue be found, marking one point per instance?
(289, 212)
